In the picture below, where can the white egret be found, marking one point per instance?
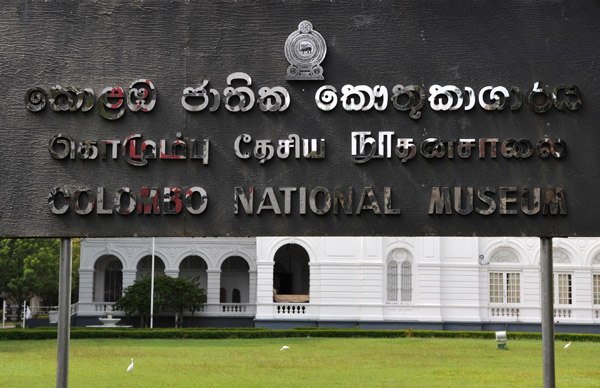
(284, 348)
(130, 367)
(567, 345)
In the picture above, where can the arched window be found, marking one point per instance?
(194, 267)
(235, 280)
(144, 267)
(560, 257)
(399, 276)
(291, 272)
(108, 279)
(504, 256)
(504, 283)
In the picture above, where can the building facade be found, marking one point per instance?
(370, 282)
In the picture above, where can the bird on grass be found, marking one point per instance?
(130, 367)
(567, 345)
(284, 347)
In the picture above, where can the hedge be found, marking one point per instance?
(249, 333)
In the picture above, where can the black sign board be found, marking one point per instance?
(299, 118)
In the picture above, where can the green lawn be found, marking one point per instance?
(310, 362)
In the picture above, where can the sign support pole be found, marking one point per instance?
(64, 313)
(547, 311)
(152, 289)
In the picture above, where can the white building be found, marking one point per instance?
(371, 282)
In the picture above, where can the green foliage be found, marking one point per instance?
(257, 333)
(170, 294)
(30, 266)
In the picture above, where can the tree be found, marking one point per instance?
(181, 295)
(30, 267)
(170, 294)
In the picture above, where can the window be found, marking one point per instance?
(596, 280)
(113, 281)
(392, 281)
(505, 287)
(563, 288)
(399, 277)
(596, 288)
(406, 277)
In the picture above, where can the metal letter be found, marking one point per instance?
(440, 202)
(263, 150)
(482, 195)
(492, 142)
(53, 198)
(279, 96)
(326, 98)
(244, 93)
(432, 148)
(100, 202)
(129, 151)
(525, 201)
(60, 100)
(77, 199)
(66, 142)
(270, 194)
(205, 149)
(148, 202)
(468, 209)
(313, 200)
(35, 99)
(505, 199)
(387, 201)
(125, 201)
(236, 146)
(189, 200)
(539, 108)
(314, 148)
(546, 147)
(287, 199)
(464, 147)
(240, 196)
(339, 198)
(142, 97)
(371, 201)
(114, 108)
(405, 149)
(413, 92)
(171, 196)
(555, 201)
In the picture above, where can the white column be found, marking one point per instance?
(213, 286)
(86, 285)
(264, 290)
(251, 286)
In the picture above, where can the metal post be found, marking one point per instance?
(3, 313)
(64, 313)
(547, 311)
(152, 289)
(24, 312)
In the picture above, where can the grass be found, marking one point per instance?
(310, 362)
